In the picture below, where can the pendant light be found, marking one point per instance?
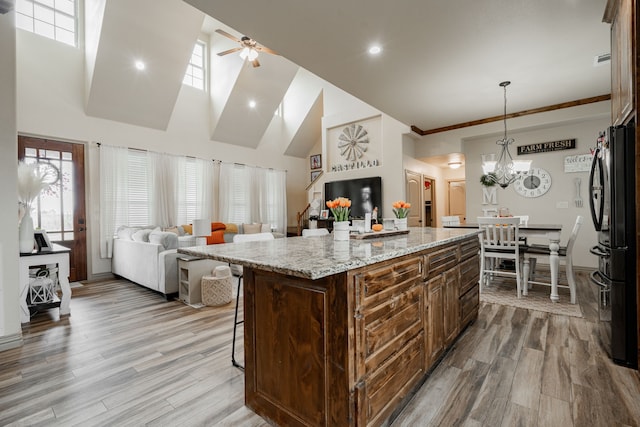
(505, 170)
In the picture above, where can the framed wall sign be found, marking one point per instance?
(316, 161)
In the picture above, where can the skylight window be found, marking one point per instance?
(196, 68)
(55, 19)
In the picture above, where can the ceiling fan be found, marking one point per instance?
(249, 48)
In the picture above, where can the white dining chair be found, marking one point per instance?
(565, 254)
(314, 232)
(450, 220)
(499, 240)
(240, 238)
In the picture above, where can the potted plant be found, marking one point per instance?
(488, 179)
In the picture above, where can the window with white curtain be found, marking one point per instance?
(140, 188)
(138, 184)
(235, 193)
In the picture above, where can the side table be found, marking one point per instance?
(190, 272)
(59, 255)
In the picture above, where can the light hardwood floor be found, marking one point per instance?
(128, 357)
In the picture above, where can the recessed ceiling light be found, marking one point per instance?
(375, 49)
(252, 104)
(140, 65)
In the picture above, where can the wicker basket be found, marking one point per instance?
(218, 289)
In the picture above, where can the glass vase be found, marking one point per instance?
(25, 234)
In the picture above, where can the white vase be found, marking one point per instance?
(400, 223)
(25, 234)
(341, 230)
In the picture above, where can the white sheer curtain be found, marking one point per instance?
(163, 184)
(235, 198)
(114, 194)
(271, 194)
(194, 189)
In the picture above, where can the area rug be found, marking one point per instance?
(502, 290)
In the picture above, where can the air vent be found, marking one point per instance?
(601, 59)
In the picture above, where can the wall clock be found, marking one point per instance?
(353, 142)
(533, 183)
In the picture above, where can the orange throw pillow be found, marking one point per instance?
(216, 237)
(215, 226)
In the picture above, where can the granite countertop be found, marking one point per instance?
(317, 257)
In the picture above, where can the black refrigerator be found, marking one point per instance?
(612, 202)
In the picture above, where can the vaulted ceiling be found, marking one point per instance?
(162, 34)
(441, 60)
(440, 65)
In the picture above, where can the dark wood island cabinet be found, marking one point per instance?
(344, 341)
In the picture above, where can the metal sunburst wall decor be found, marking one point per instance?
(353, 142)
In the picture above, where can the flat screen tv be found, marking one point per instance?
(364, 193)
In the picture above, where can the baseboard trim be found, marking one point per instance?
(11, 341)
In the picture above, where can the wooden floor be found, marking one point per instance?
(128, 357)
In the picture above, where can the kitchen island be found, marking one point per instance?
(341, 333)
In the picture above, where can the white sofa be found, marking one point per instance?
(149, 257)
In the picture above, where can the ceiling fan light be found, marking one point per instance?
(244, 53)
(253, 54)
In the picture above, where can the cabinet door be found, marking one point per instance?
(435, 323)
(622, 63)
(451, 304)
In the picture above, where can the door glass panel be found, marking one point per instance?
(54, 207)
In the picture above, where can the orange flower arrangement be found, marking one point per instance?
(401, 208)
(340, 208)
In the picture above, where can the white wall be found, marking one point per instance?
(10, 332)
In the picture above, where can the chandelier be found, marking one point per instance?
(505, 170)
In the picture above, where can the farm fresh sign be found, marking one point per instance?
(543, 147)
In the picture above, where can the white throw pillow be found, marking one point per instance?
(266, 228)
(125, 232)
(141, 235)
(166, 239)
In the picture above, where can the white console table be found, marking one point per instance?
(58, 255)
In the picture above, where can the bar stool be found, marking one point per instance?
(239, 238)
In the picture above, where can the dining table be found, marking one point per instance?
(550, 232)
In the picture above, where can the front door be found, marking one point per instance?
(60, 211)
(414, 196)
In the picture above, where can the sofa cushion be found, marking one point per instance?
(125, 232)
(215, 226)
(166, 239)
(141, 235)
(172, 230)
(231, 227)
(215, 237)
(188, 228)
(266, 228)
(251, 228)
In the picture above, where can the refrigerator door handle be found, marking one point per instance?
(597, 251)
(596, 191)
(596, 281)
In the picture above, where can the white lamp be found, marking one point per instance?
(201, 228)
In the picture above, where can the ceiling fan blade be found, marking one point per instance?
(224, 33)
(226, 52)
(267, 50)
(255, 63)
